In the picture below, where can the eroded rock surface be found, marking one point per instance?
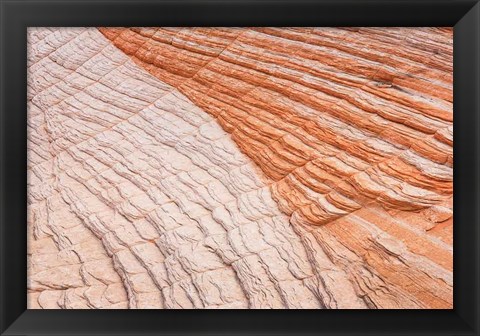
(240, 168)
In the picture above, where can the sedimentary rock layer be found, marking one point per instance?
(240, 168)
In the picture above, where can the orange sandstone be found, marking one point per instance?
(240, 168)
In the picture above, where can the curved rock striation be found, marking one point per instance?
(240, 168)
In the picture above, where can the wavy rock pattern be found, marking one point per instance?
(240, 168)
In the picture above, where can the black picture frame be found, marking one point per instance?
(17, 15)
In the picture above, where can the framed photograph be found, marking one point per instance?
(240, 167)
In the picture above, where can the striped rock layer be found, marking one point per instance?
(240, 168)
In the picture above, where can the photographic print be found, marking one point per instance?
(240, 168)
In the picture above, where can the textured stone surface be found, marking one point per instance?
(240, 168)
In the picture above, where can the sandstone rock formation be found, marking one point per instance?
(240, 168)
